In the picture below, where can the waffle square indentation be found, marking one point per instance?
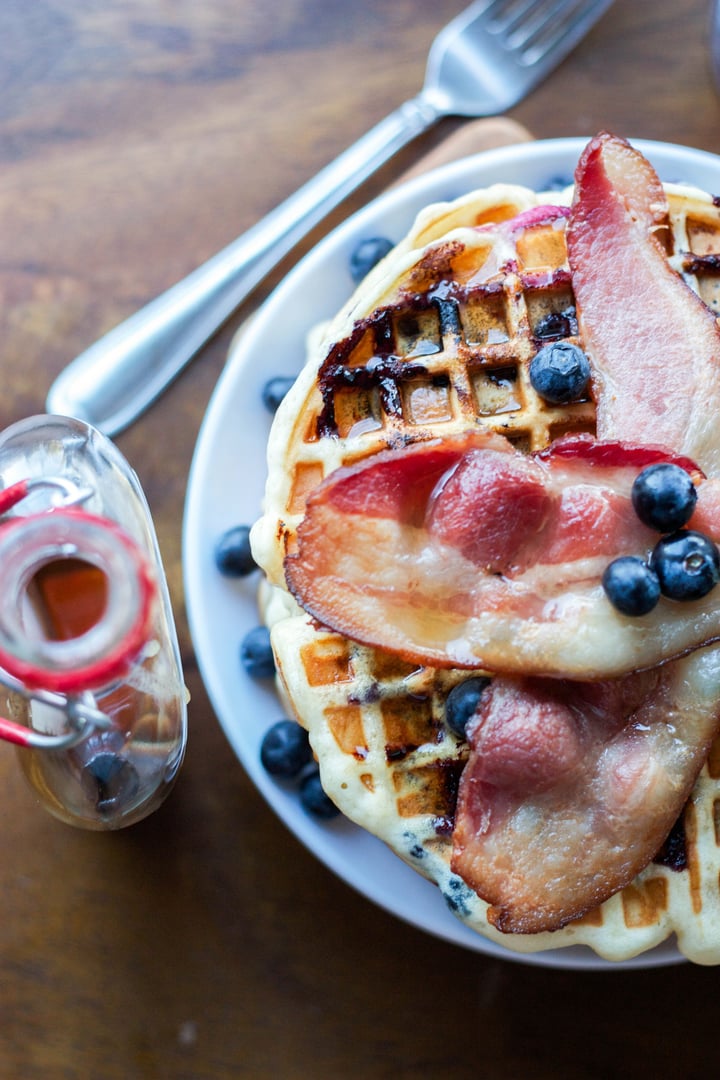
(643, 904)
(346, 725)
(327, 662)
(427, 400)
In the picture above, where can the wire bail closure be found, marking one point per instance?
(61, 672)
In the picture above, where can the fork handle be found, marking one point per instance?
(117, 378)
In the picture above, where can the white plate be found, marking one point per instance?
(226, 486)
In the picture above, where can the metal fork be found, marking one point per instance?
(483, 62)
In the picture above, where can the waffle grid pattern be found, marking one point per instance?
(450, 348)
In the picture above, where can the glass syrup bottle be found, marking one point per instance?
(91, 687)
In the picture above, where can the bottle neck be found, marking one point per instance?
(76, 600)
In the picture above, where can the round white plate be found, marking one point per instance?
(226, 486)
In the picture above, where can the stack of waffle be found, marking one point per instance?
(438, 339)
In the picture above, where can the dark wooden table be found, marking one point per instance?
(137, 137)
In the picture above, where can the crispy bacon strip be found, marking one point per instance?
(654, 345)
(571, 788)
(465, 552)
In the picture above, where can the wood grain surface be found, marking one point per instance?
(137, 137)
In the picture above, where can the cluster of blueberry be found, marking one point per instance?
(285, 750)
(683, 565)
(286, 754)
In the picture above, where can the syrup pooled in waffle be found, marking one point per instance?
(437, 339)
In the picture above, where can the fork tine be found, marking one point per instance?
(566, 24)
(546, 25)
(531, 28)
(540, 16)
(503, 15)
(521, 19)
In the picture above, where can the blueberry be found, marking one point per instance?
(631, 585)
(687, 565)
(462, 702)
(664, 497)
(256, 653)
(314, 799)
(559, 372)
(285, 749)
(367, 254)
(275, 390)
(233, 557)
